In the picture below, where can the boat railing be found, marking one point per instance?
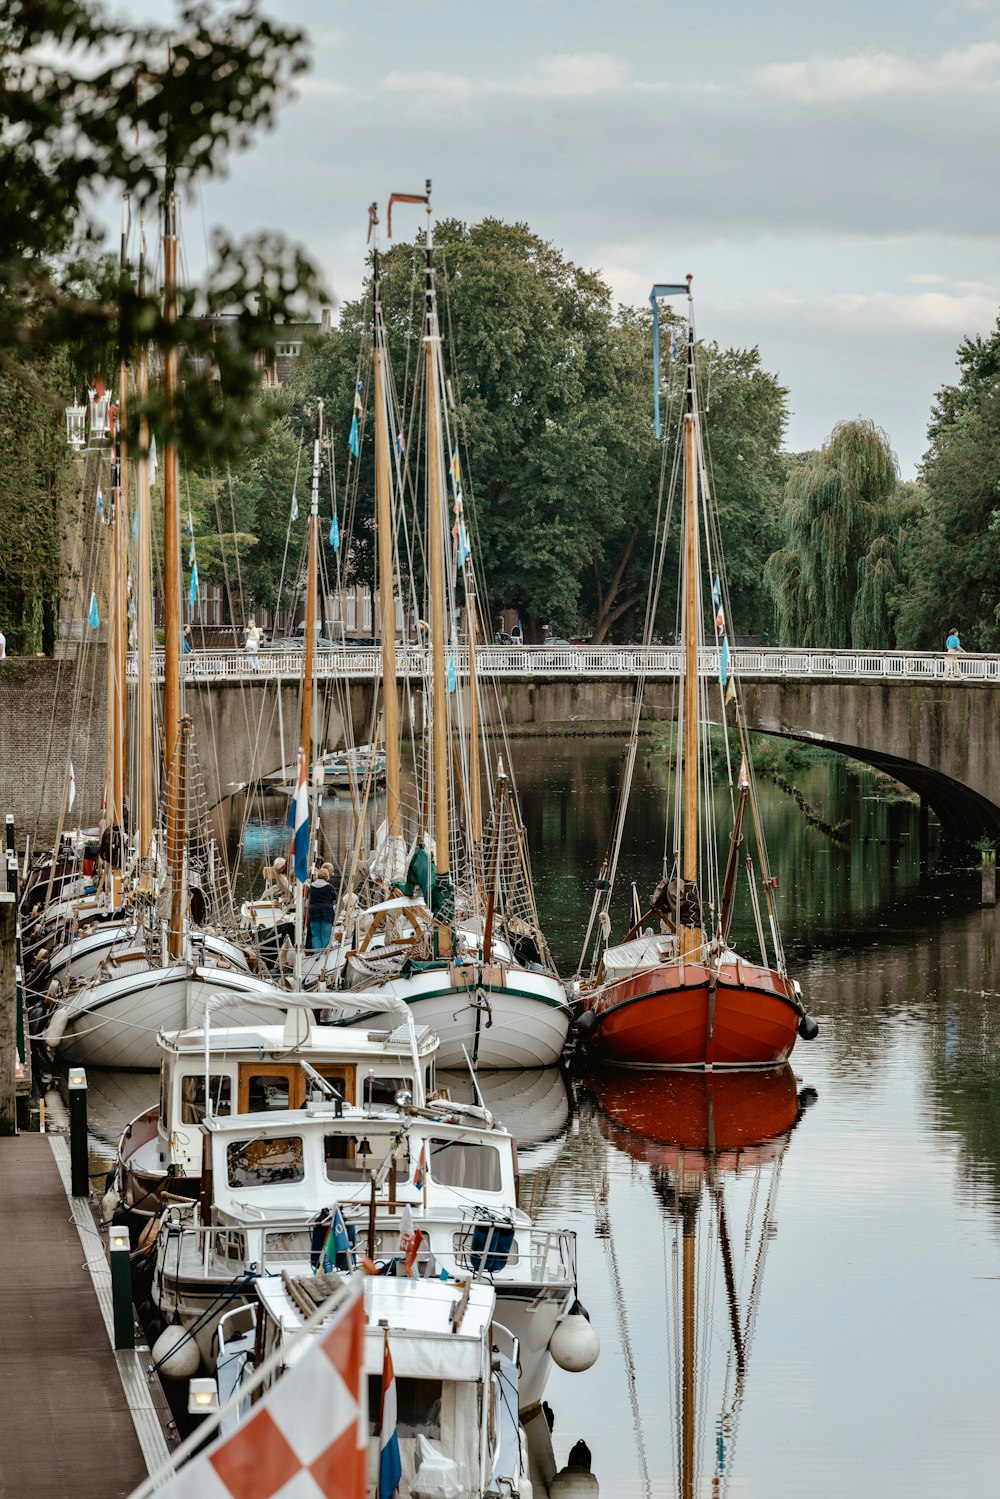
(548, 661)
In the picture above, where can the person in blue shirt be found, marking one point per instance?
(186, 641)
(953, 646)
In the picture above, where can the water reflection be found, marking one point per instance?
(713, 1146)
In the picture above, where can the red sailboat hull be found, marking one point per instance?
(684, 1015)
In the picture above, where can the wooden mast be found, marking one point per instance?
(172, 587)
(305, 736)
(435, 533)
(475, 790)
(690, 936)
(386, 579)
(144, 612)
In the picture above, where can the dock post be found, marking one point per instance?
(9, 821)
(121, 1285)
(8, 1015)
(78, 1162)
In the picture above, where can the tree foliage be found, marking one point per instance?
(834, 580)
(952, 548)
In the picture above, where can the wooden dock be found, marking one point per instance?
(76, 1418)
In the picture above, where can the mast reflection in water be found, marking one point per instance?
(714, 1145)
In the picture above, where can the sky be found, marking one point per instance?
(826, 173)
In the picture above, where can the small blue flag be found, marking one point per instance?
(716, 592)
(93, 618)
(295, 507)
(100, 501)
(193, 591)
(452, 679)
(135, 525)
(353, 441)
(724, 662)
(337, 1248)
(400, 444)
(463, 546)
(335, 533)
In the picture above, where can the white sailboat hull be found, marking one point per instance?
(520, 1022)
(115, 1023)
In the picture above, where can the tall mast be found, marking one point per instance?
(305, 738)
(435, 538)
(386, 579)
(690, 936)
(144, 608)
(172, 585)
(475, 790)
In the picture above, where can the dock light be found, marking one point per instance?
(203, 1397)
(78, 1162)
(77, 1077)
(118, 1238)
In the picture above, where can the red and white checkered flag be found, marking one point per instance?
(306, 1439)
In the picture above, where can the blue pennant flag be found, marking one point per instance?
(463, 546)
(335, 533)
(337, 1253)
(452, 679)
(295, 507)
(353, 441)
(298, 821)
(100, 501)
(724, 662)
(135, 525)
(400, 444)
(193, 591)
(93, 618)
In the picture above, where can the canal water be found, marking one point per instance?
(841, 1337)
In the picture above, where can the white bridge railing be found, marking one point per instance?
(553, 663)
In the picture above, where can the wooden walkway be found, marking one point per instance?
(65, 1423)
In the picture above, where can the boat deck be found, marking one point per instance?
(67, 1424)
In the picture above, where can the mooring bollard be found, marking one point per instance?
(121, 1285)
(78, 1162)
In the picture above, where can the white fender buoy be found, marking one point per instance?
(56, 1028)
(574, 1345)
(176, 1353)
(110, 1202)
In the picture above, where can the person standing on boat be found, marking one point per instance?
(321, 898)
(953, 646)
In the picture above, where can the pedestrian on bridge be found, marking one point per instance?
(953, 646)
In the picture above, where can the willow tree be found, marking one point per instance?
(834, 579)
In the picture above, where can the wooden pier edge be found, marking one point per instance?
(143, 1397)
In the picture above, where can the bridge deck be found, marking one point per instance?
(551, 663)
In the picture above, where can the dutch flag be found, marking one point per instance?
(390, 1468)
(298, 821)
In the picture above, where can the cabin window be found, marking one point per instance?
(459, 1163)
(346, 1161)
(418, 1407)
(382, 1090)
(262, 1162)
(266, 1091)
(193, 1096)
(341, 1078)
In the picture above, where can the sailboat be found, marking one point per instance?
(681, 996)
(111, 1016)
(458, 938)
(714, 1144)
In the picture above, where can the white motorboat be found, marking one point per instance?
(253, 1070)
(273, 1181)
(455, 1368)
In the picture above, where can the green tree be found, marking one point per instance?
(834, 579)
(951, 551)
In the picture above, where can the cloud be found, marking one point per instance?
(865, 75)
(931, 312)
(567, 75)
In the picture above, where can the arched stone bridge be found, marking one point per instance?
(930, 722)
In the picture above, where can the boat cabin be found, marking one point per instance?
(254, 1071)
